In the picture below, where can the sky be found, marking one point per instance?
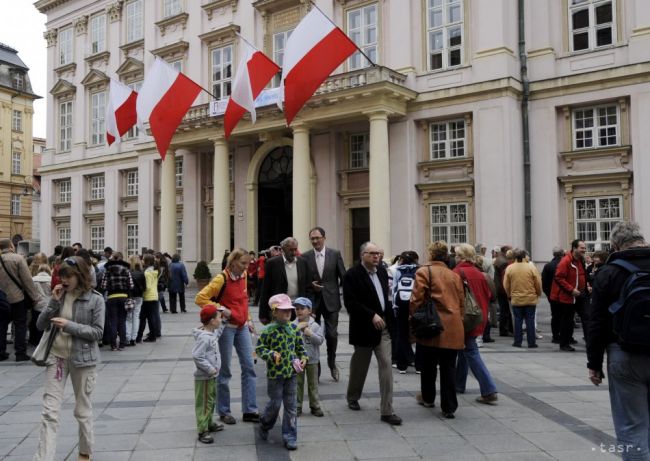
(22, 27)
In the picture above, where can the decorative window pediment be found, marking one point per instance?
(218, 4)
(131, 69)
(218, 36)
(177, 19)
(95, 79)
(66, 69)
(63, 89)
(98, 58)
(133, 49)
(272, 6)
(173, 51)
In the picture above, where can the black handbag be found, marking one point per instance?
(28, 301)
(425, 322)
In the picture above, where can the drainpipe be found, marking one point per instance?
(524, 126)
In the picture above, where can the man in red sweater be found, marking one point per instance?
(569, 290)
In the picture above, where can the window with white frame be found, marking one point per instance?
(65, 191)
(131, 239)
(595, 218)
(17, 121)
(449, 223)
(179, 236)
(221, 71)
(595, 127)
(97, 238)
(16, 163)
(134, 131)
(177, 65)
(97, 187)
(591, 24)
(98, 34)
(65, 46)
(65, 236)
(444, 33)
(132, 183)
(134, 21)
(97, 118)
(18, 80)
(359, 151)
(65, 126)
(447, 139)
(171, 8)
(179, 171)
(279, 44)
(15, 204)
(362, 29)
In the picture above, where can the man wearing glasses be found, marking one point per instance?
(327, 272)
(365, 294)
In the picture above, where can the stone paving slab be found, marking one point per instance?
(144, 409)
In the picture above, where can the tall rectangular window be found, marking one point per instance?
(18, 80)
(65, 126)
(179, 236)
(65, 46)
(449, 223)
(444, 33)
(17, 120)
(131, 239)
(16, 163)
(15, 204)
(359, 151)
(97, 118)
(134, 131)
(177, 65)
(447, 139)
(97, 187)
(98, 34)
(595, 218)
(179, 172)
(279, 44)
(132, 183)
(591, 24)
(221, 71)
(97, 238)
(65, 191)
(65, 236)
(171, 8)
(595, 127)
(134, 21)
(362, 29)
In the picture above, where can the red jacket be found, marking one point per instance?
(479, 288)
(569, 276)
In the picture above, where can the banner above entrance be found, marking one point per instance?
(268, 97)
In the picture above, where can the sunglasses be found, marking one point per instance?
(70, 261)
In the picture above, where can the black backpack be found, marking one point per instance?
(632, 310)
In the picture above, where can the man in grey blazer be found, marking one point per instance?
(326, 270)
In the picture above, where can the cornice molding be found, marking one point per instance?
(66, 68)
(46, 5)
(210, 7)
(130, 69)
(266, 7)
(164, 24)
(172, 51)
(62, 89)
(98, 57)
(217, 36)
(95, 79)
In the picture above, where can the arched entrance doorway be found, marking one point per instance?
(274, 197)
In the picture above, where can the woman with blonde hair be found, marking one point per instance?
(42, 281)
(77, 314)
(436, 281)
(38, 260)
(228, 289)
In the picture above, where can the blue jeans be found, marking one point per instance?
(282, 390)
(241, 339)
(527, 313)
(471, 357)
(629, 395)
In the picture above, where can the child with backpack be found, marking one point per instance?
(281, 347)
(403, 282)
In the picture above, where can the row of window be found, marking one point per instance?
(131, 243)
(594, 220)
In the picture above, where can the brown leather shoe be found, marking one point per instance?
(489, 399)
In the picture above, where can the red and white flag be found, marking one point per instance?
(164, 98)
(120, 112)
(316, 47)
(254, 72)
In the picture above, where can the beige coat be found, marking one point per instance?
(447, 292)
(523, 284)
(17, 266)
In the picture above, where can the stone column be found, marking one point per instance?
(191, 205)
(220, 200)
(301, 181)
(379, 181)
(168, 204)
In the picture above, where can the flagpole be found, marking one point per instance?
(213, 96)
(244, 39)
(334, 24)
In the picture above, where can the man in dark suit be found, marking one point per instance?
(286, 274)
(365, 294)
(327, 271)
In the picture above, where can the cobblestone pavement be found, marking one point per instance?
(143, 407)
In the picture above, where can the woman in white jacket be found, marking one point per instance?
(42, 281)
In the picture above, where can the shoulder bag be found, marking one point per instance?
(473, 316)
(42, 351)
(425, 322)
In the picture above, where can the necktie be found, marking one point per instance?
(320, 262)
